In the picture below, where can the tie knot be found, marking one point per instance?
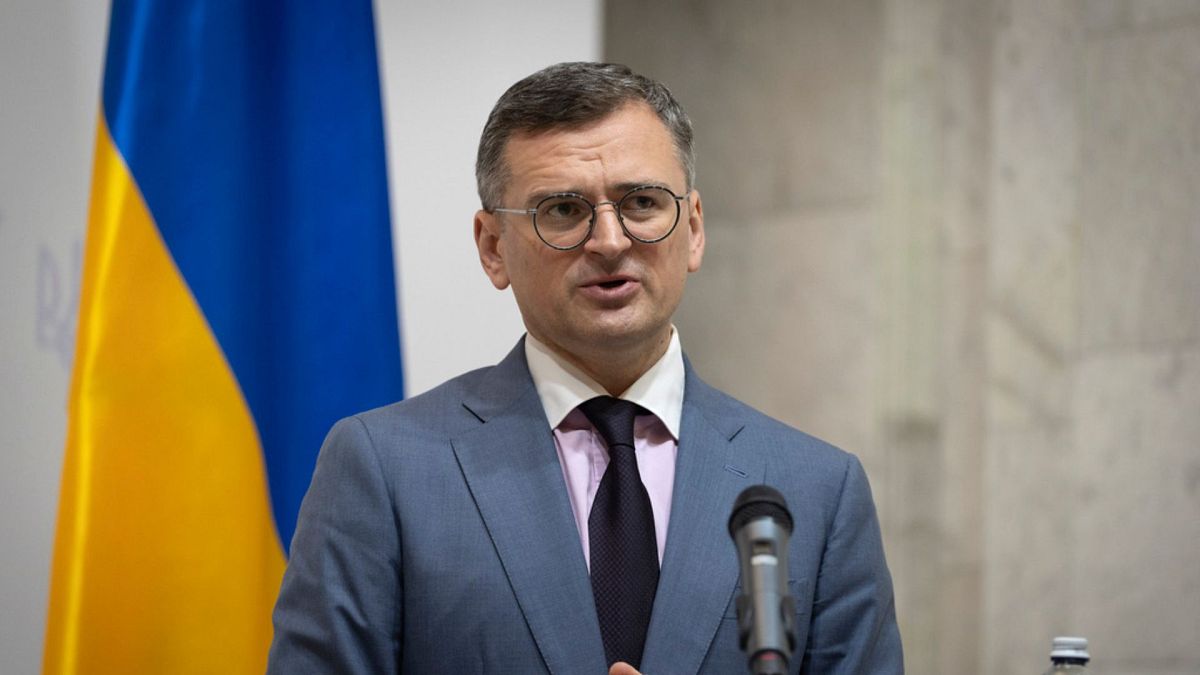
(613, 418)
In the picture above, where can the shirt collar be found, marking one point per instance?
(562, 387)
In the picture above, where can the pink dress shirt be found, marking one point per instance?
(581, 451)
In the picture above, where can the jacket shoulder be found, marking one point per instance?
(745, 424)
(436, 412)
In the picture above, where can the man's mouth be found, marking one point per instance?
(611, 288)
(610, 282)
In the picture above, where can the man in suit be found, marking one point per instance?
(565, 510)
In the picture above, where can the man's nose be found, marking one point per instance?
(608, 237)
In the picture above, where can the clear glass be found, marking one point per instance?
(1069, 655)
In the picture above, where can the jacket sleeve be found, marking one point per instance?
(339, 607)
(853, 628)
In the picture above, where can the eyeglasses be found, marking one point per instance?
(564, 221)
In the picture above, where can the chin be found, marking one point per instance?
(622, 334)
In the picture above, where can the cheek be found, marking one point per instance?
(676, 282)
(536, 280)
(517, 260)
(673, 266)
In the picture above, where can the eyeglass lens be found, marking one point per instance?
(648, 214)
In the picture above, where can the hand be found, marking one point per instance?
(622, 668)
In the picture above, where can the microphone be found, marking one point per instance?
(760, 526)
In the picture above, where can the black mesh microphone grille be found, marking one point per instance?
(759, 501)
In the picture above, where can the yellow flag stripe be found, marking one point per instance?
(166, 557)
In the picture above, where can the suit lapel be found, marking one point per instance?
(700, 567)
(513, 472)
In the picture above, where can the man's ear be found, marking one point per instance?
(491, 254)
(696, 232)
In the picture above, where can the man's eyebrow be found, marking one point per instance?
(622, 188)
(539, 195)
(617, 191)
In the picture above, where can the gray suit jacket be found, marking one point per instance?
(437, 537)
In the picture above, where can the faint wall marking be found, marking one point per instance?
(58, 286)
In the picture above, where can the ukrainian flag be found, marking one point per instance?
(238, 298)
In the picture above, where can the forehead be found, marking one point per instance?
(629, 145)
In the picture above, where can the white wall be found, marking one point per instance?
(443, 64)
(50, 62)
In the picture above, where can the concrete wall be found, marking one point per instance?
(962, 239)
(443, 66)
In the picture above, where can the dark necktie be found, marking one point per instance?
(623, 548)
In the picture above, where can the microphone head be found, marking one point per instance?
(759, 501)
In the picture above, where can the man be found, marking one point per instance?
(521, 518)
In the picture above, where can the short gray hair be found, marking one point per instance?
(571, 95)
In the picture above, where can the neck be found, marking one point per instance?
(614, 369)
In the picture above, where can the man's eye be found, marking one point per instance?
(563, 210)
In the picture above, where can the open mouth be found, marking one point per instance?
(611, 289)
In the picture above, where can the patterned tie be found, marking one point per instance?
(623, 548)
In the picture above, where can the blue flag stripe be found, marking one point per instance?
(257, 141)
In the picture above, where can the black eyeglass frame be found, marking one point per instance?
(532, 213)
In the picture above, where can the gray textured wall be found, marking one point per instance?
(961, 238)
